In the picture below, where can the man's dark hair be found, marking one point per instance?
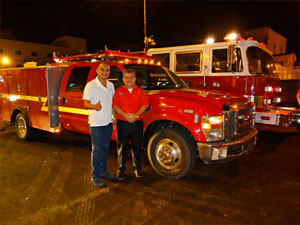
(129, 71)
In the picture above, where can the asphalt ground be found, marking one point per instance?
(47, 181)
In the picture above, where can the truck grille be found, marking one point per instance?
(238, 119)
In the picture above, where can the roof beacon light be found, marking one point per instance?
(231, 37)
(210, 41)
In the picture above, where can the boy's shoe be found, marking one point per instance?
(108, 176)
(98, 182)
(138, 174)
(120, 175)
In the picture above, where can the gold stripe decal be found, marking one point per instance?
(68, 110)
(23, 97)
(73, 110)
(44, 100)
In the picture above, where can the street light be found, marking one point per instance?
(4, 61)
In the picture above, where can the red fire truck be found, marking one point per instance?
(179, 123)
(243, 67)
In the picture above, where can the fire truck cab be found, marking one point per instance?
(179, 124)
(243, 67)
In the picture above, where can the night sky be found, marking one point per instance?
(120, 24)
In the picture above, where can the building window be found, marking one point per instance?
(33, 53)
(274, 48)
(49, 55)
(18, 52)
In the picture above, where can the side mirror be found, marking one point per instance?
(231, 56)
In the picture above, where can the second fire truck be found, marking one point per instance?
(244, 67)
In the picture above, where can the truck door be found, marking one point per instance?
(72, 114)
(220, 77)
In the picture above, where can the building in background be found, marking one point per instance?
(286, 60)
(18, 52)
(274, 41)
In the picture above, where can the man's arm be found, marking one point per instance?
(118, 110)
(128, 116)
(87, 104)
(141, 110)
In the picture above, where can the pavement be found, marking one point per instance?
(47, 181)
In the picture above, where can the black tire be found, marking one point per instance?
(24, 131)
(171, 153)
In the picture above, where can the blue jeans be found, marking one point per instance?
(100, 145)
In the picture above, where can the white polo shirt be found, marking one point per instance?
(94, 91)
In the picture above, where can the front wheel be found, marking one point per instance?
(23, 129)
(171, 153)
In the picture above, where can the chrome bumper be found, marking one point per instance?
(226, 151)
(278, 116)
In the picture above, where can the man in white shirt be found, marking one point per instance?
(97, 96)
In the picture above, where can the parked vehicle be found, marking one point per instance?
(179, 123)
(243, 67)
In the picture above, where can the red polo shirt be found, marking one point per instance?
(130, 102)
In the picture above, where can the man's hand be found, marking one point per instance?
(98, 106)
(131, 117)
(87, 104)
(114, 123)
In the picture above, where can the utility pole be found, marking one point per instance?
(147, 40)
(145, 29)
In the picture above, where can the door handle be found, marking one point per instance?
(63, 101)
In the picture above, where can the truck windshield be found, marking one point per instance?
(152, 77)
(260, 62)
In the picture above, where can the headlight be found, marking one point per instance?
(212, 127)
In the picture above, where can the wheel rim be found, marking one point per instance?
(21, 127)
(168, 153)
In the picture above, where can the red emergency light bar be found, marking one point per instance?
(104, 55)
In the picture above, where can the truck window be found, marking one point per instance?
(188, 62)
(155, 77)
(260, 62)
(115, 76)
(163, 58)
(219, 63)
(77, 79)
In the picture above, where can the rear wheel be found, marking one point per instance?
(171, 153)
(23, 129)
